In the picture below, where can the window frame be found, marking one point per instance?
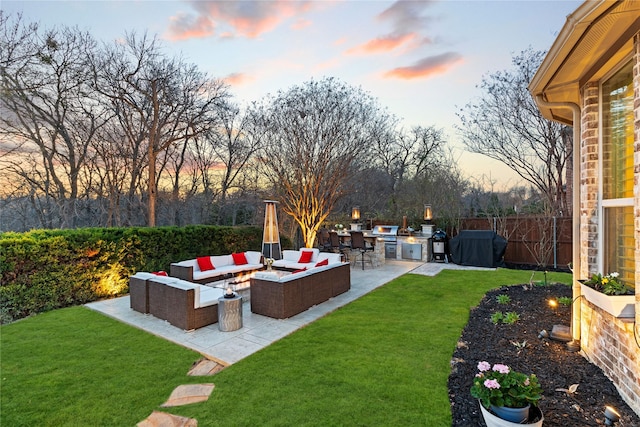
(602, 203)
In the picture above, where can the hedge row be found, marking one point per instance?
(47, 269)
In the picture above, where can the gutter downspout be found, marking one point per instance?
(577, 267)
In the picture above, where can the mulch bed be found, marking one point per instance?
(555, 367)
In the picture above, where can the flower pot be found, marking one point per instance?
(491, 420)
(616, 305)
(516, 415)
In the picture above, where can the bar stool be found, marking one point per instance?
(358, 243)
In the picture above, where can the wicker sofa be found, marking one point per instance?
(183, 304)
(291, 260)
(139, 289)
(283, 296)
(224, 266)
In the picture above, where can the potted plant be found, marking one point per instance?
(506, 396)
(269, 263)
(611, 295)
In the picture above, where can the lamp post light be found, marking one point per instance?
(355, 217)
(271, 235)
(427, 228)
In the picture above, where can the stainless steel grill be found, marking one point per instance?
(388, 233)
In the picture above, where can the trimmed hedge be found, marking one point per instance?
(43, 270)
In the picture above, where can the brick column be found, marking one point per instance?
(636, 167)
(589, 181)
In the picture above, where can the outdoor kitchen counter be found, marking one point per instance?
(405, 242)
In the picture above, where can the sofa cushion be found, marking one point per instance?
(143, 275)
(299, 271)
(253, 257)
(208, 296)
(323, 262)
(239, 258)
(333, 258)
(305, 257)
(204, 263)
(222, 260)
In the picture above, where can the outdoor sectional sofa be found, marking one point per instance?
(295, 260)
(282, 296)
(183, 304)
(223, 266)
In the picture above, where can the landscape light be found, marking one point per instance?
(611, 416)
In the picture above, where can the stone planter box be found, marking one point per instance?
(616, 305)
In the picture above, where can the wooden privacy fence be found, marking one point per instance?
(531, 240)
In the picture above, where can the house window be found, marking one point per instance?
(617, 174)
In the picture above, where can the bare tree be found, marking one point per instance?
(405, 156)
(316, 137)
(505, 125)
(49, 116)
(168, 100)
(235, 144)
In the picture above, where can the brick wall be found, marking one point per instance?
(589, 179)
(609, 343)
(606, 341)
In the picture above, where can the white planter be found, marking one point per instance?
(616, 305)
(492, 420)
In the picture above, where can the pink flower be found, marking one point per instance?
(526, 382)
(491, 384)
(503, 369)
(484, 366)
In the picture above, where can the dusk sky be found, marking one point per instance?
(421, 59)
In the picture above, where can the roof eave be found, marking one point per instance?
(577, 24)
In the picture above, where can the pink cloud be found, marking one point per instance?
(384, 44)
(406, 16)
(407, 21)
(426, 67)
(184, 27)
(237, 79)
(247, 19)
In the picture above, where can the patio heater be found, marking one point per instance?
(427, 228)
(271, 235)
(355, 217)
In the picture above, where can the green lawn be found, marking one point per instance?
(382, 360)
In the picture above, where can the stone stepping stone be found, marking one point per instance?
(204, 367)
(162, 419)
(189, 393)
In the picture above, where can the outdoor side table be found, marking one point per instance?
(230, 313)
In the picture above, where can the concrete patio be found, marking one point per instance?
(260, 331)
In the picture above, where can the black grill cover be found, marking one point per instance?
(479, 248)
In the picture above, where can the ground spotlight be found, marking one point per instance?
(611, 416)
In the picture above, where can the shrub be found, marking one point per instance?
(43, 270)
